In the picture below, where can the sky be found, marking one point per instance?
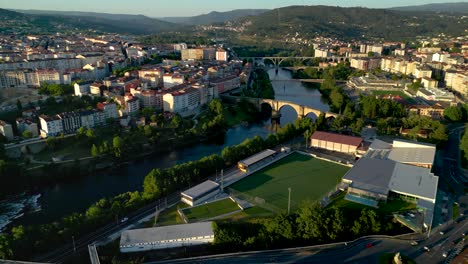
(164, 8)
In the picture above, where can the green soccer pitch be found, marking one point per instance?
(308, 178)
(210, 210)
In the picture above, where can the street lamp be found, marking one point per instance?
(73, 240)
(289, 199)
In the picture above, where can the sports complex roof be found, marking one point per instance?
(372, 175)
(257, 157)
(413, 155)
(165, 234)
(414, 181)
(201, 189)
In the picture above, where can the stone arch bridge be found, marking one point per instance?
(276, 105)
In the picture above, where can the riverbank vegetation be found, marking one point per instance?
(260, 86)
(36, 239)
(310, 225)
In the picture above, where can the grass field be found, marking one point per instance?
(308, 178)
(210, 210)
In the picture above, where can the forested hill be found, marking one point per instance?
(44, 22)
(351, 23)
(215, 17)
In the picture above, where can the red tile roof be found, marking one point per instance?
(337, 138)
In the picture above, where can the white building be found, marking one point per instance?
(322, 53)
(50, 125)
(138, 240)
(182, 101)
(109, 109)
(200, 193)
(82, 88)
(6, 130)
(171, 80)
(132, 106)
(221, 55)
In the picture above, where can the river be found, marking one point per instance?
(65, 198)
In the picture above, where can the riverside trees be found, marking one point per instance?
(311, 224)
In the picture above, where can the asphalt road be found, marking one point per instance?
(350, 253)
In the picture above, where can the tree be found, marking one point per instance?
(307, 136)
(5, 247)
(154, 118)
(150, 187)
(90, 133)
(27, 134)
(147, 130)
(216, 106)
(51, 142)
(117, 144)
(176, 121)
(19, 105)
(453, 114)
(94, 151)
(147, 112)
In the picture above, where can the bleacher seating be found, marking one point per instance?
(361, 200)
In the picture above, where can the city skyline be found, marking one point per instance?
(193, 8)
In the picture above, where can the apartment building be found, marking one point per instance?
(71, 122)
(132, 105)
(365, 64)
(48, 76)
(182, 101)
(109, 109)
(224, 84)
(154, 77)
(149, 98)
(435, 111)
(83, 88)
(192, 54)
(50, 125)
(27, 124)
(221, 55)
(171, 80)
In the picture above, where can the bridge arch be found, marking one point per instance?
(312, 115)
(288, 114)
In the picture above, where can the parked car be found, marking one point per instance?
(125, 219)
(426, 249)
(414, 243)
(369, 245)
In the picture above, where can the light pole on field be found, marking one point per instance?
(289, 199)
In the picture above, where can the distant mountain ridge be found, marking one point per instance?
(354, 22)
(131, 24)
(215, 17)
(458, 7)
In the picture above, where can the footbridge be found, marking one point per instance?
(277, 105)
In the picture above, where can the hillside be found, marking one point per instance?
(348, 23)
(460, 7)
(215, 17)
(37, 21)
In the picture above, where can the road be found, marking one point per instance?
(351, 253)
(451, 164)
